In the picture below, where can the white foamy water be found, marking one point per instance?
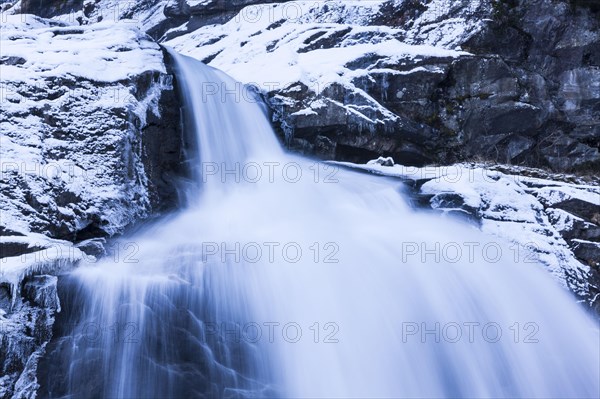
(284, 277)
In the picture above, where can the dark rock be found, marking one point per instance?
(50, 8)
(565, 153)
(4, 231)
(12, 60)
(16, 248)
(324, 147)
(517, 148)
(5, 297)
(453, 202)
(589, 252)
(578, 207)
(575, 228)
(42, 292)
(93, 247)
(164, 148)
(353, 154)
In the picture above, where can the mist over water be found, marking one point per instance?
(285, 277)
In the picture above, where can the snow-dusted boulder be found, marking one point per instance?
(389, 161)
(80, 109)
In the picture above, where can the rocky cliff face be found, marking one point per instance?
(510, 81)
(423, 81)
(90, 143)
(77, 103)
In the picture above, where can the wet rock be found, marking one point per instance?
(50, 8)
(5, 299)
(94, 247)
(42, 292)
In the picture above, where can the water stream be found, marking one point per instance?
(286, 277)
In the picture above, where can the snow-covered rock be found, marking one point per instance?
(424, 81)
(24, 335)
(89, 133)
(76, 104)
(318, 63)
(436, 81)
(146, 15)
(389, 161)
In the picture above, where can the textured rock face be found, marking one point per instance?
(526, 91)
(551, 49)
(49, 9)
(90, 143)
(195, 14)
(325, 68)
(79, 136)
(24, 335)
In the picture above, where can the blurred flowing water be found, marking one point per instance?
(288, 278)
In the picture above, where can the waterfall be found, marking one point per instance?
(285, 277)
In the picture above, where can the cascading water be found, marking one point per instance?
(288, 278)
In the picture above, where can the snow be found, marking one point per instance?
(56, 256)
(304, 112)
(254, 48)
(99, 53)
(554, 195)
(449, 23)
(562, 220)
